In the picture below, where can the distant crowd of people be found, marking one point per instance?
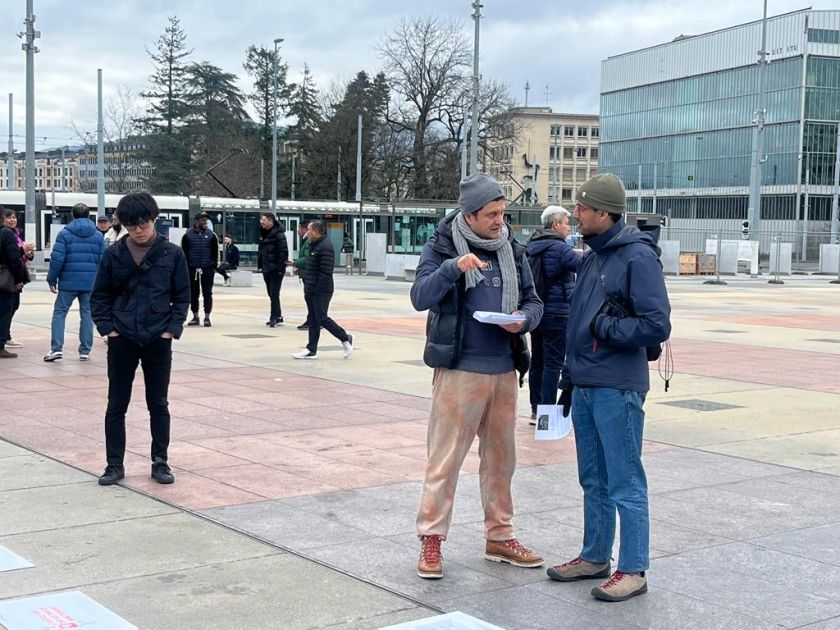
(595, 319)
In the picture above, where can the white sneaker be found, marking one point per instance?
(84, 357)
(348, 346)
(52, 356)
(305, 354)
(11, 343)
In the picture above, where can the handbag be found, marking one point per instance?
(7, 280)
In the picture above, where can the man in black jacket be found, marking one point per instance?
(139, 301)
(201, 248)
(273, 252)
(318, 291)
(10, 258)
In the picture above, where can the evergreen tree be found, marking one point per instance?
(303, 105)
(260, 64)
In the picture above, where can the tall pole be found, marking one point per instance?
(293, 176)
(63, 180)
(804, 256)
(639, 191)
(474, 126)
(835, 209)
(10, 156)
(30, 35)
(654, 186)
(274, 127)
(359, 193)
(464, 150)
(338, 178)
(100, 149)
(754, 210)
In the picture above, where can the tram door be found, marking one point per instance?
(356, 235)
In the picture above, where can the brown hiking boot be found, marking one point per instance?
(512, 552)
(430, 564)
(578, 569)
(621, 586)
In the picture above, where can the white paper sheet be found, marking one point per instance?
(488, 317)
(551, 425)
(10, 561)
(71, 609)
(450, 621)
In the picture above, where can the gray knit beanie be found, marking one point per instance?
(477, 191)
(603, 192)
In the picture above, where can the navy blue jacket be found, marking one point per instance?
(605, 348)
(232, 256)
(318, 273)
(559, 264)
(75, 256)
(453, 338)
(158, 303)
(201, 248)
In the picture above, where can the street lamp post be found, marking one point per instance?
(277, 42)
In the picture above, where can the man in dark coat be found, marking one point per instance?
(139, 302)
(271, 261)
(557, 263)
(10, 258)
(231, 262)
(619, 307)
(318, 291)
(201, 247)
(473, 263)
(73, 262)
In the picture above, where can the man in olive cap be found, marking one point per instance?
(472, 263)
(619, 307)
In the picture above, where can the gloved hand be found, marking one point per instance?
(566, 400)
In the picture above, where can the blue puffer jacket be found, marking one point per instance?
(75, 256)
(559, 264)
(605, 348)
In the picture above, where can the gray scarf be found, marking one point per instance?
(463, 237)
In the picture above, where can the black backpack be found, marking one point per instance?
(540, 284)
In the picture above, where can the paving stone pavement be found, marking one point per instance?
(312, 471)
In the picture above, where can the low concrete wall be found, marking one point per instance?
(377, 247)
(829, 255)
(670, 257)
(396, 265)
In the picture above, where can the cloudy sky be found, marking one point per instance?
(554, 43)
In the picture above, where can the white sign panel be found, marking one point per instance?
(59, 611)
(9, 561)
(451, 621)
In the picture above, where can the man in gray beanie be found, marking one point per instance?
(618, 308)
(472, 263)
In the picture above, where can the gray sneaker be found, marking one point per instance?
(621, 586)
(578, 569)
(53, 356)
(348, 346)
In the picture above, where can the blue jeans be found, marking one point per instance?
(63, 301)
(608, 437)
(548, 352)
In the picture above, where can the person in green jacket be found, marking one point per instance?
(300, 262)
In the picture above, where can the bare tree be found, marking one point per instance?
(426, 60)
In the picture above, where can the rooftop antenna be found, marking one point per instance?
(547, 95)
(527, 89)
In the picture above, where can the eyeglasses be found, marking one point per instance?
(579, 208)
(137, 226)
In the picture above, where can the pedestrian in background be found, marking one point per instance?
(139, 302)
(619, 307)
(201, 247)
(553, 266)
(318, 290)
(472, 263)
(13, 276)
(27, 253)
(103, 224)
(75, 256)
(116, 231)
(347, 253)
(273, 252)
(300, 262)
(231, 262)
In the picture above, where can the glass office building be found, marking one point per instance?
(677, 123)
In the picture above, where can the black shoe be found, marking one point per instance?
(161, 472)
(194, 321)
(207, 323)
(113, 473)
(271, 323)
(303, 327)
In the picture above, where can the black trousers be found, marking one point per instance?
(8, 307)
(204, 281)
(224, 268)
(273, 282)
(318, 304)
(156, 360)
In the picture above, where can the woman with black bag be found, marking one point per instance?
(12, 276)
(27, 253)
